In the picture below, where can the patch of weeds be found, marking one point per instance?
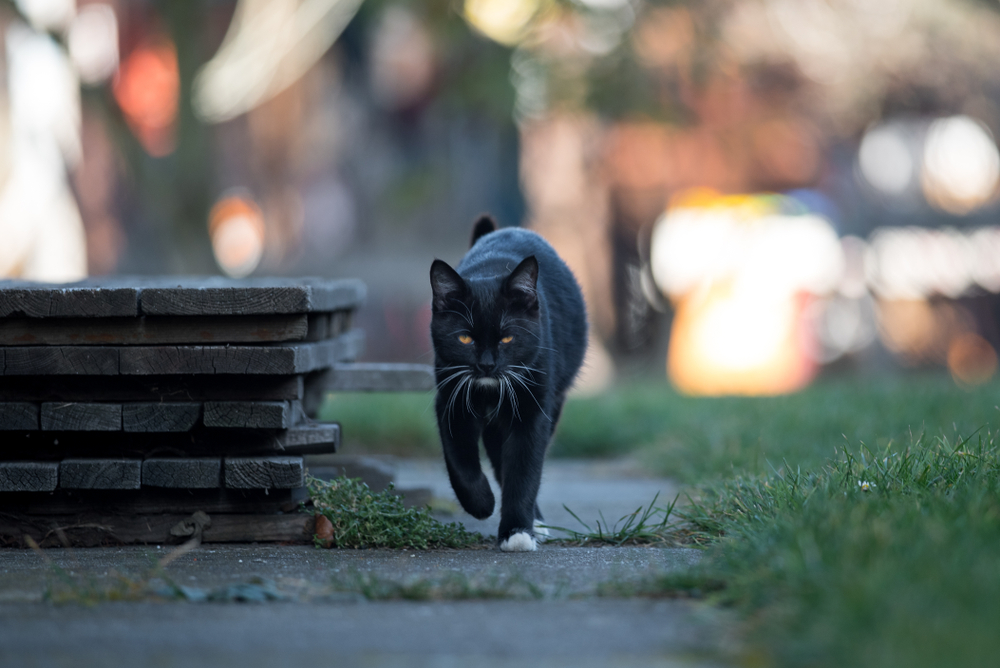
(449, 587)
(880, 557)
(361, 518)
(648, 525)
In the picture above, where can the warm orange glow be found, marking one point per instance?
(971, 359)
(147, 90)
(236, 227)
(723, 343)
(741, 274)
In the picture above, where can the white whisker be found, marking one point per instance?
(531, 394)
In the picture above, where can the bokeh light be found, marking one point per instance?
(971, 359)
(147, 89)
(742, 275)
(236, 227)
(886, 159)
(961, 165)
(93, 43)
(504, 21)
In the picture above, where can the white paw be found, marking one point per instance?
(541, 533)
(519, 542)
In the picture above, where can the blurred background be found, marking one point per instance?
(752, 193)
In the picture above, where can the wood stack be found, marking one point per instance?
(126, 405)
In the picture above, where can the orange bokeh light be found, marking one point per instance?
(971, 359)
(236, 227)
(147, 89)
(723, 343)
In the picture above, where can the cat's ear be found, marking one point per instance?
(483, 226)
(522, 284)
(446, 284)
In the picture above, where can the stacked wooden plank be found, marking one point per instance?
(172, 395)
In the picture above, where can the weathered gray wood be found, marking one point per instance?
(92, 529)
(19, 415)
(218, 296)
(79, 416)
(156, 330)
(287, 528)
(28, 477)
(100, 473)
(187, 472)
(124, 296)
(248, 414)
(150, 388)
(78, 300)
(324, 326)
(199, 442)
(275, 359)
(255, 360)
(263, 472)
(155, 500)
(160, 417)
(371, 377)
(59, 360)
(309, 439)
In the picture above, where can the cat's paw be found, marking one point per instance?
(521, 541)
(541, 533)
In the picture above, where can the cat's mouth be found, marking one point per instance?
(487, 381)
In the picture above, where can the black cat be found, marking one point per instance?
(510, 330)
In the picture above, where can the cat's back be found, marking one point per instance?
(492, 254)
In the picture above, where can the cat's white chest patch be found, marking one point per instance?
(519, 542)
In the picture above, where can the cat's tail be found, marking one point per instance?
(484, 225)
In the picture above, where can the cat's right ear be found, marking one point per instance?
(446, 284)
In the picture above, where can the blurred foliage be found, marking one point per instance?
(693, 437)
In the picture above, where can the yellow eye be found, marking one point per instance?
(507, 339)
(465, 338)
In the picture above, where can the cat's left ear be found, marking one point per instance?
(522, 284)
(446, 284)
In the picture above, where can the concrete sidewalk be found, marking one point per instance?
(322, 617)
(592, 489)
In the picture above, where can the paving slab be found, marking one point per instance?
(323, 618)
(591, 489)
(381, 634)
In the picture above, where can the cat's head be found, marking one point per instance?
(488, 327)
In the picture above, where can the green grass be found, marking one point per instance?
(361, 518)
(877, 558)
(691, 438)
(850, 523)
(385, 423)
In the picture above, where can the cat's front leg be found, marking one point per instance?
(460, 442)
(523, 455)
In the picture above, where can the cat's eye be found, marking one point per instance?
(465, 338)
(507, 339)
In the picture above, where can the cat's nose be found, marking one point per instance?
(486, 364)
